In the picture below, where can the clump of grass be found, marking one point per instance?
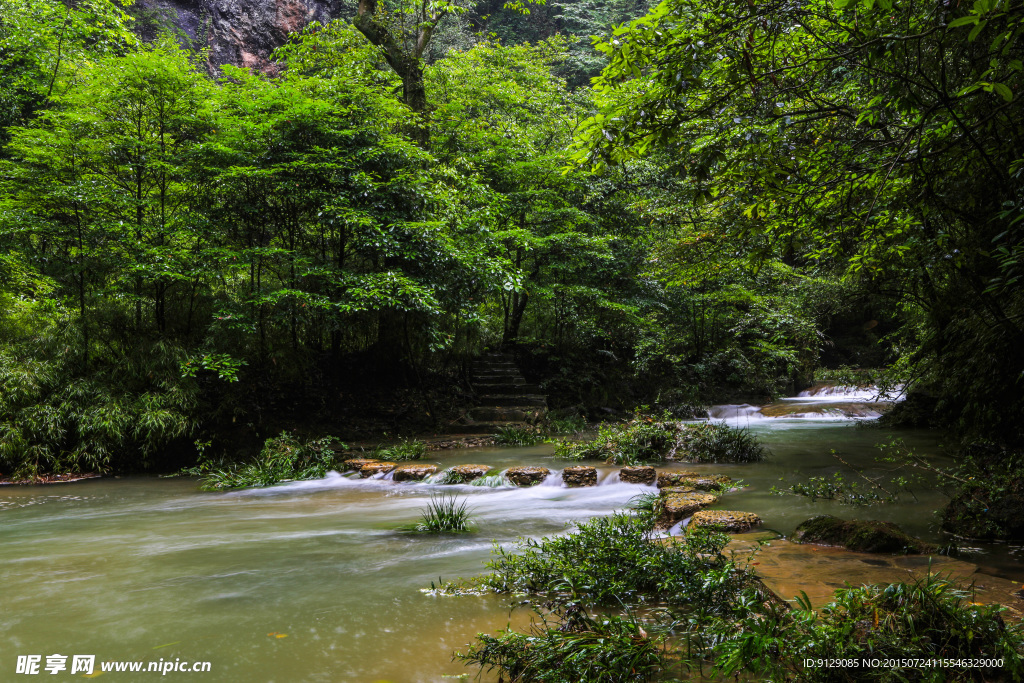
(444, 514)
(514, 435)
(283, 458)
(646, 439)
(406, 449)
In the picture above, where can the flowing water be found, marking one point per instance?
(315, 581)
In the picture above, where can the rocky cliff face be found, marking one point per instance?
(239, 32)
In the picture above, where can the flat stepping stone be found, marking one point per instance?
(413, 472)
(732, 521)
(356, 464)
(675, 506)
(579, 475)
(693, 480)
(527, 476)
(638, 475)
(461, 474)
(372, 468)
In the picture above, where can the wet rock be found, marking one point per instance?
(705, 482)
(414, 472)
(372, 468)
(731, 521)
(580, 475)
(869, 536)
(676, 505)
(356, 464)
(527, 476)
(461, 474)
(638, 475)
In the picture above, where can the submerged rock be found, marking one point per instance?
(732, 521)
(356, 464)
(704, 482)
(638, 475)
(676, 505)
(580, 475)
(461, 474)
(527, 476)
(372, 468)
(414, 472)
(869, 536)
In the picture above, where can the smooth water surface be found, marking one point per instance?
(313, 581)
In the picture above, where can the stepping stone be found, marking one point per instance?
(461, 474)
(579, 475)
(732, 521)
(675, 506)
(527, 476)
(414, 472)
(693, 480)
(638, 475)
(372, 468)
(355, 464)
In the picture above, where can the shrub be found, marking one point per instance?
(513, 435)
(573, 424)
(406, 449)
(579, 648)
(444, 514)
(283, 458)
(644, 439)
(615, 560)
(927, 619)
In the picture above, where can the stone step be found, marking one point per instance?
(494, 365)
(481, 427)
(503, 413)
(511, 374)
(513, 400)
(518, 388)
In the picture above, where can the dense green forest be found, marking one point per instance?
(704, 201)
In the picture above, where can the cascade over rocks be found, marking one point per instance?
(461, 474)
(527, 476)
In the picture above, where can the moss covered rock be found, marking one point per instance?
(527, 476)
(704, 482)
(377, 467)
(978, 514)
(356, 464)
(869, 536)
(732, 521)
(579, 475)
(638, 475)
(676, 504)
(413, 471)
(461, 474)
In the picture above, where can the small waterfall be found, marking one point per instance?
(742, 411)
(611, 480)
(553, 479)
(493, 481)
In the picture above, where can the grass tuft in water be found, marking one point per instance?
(283, 458)
(444, 514)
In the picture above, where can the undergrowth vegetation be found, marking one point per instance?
(283, 458)
(405, 449)
(646, 439)
(515, 435)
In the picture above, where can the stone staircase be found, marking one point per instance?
(504, 397)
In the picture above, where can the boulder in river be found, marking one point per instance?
(869, 536)
(356, 464)
(413, 471)
(731, 521)
(527, 476)
(675, 505)
(705, 482)
(579, 475)
(641, 474)
(461, 474)
(372, 468)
